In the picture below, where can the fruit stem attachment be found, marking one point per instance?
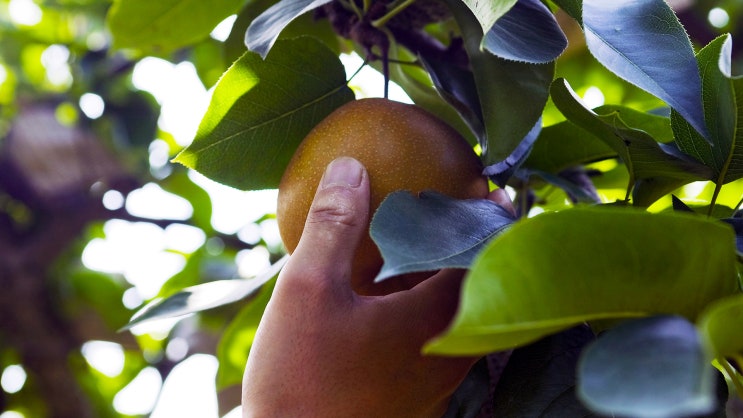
(392, 13)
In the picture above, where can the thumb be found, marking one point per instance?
(337, 220)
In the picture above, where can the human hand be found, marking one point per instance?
(322, 350)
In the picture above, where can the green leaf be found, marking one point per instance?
(560, 269)
(721, 323)
(644, 43)
(574, 8)
(265, 29)
(644, 157)
(527, 33)
(262, 109)
(565, 145)
(648, 368)
(539, 379)
(432, 231)
(488, 12)
(204, 296)
(472, 393)
(723, 109)
(512, 94)
(417, 84)
(234, 346)
(165, 25)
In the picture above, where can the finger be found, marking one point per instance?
(500, 196)
(429, 307)
(336, 222)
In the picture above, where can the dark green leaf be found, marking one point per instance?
(488, 12)
(512, 94)
(574, 182)
(457, 86)
(723, 108)
(556, 270)
(644, 157)
(164, 25)
(262, 109)
(539, 380)
(647, 368)
(644, 43)
(204, 296)
(416, 82)
(433, 231)
(265, 29)
(472, 393)
(574, 8)
(565, 145)
(528, 32)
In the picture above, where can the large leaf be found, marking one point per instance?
(539, 380)
(559, 269)
(648, 368)
(723, 108)
(164, 25)
(433, 231)
(448, 102)
(528, 33)
(265, 29)
(204, 296)
(457, 86)
(488, 12)
(644, 43)
(262, 109)
(512, 94)
(565, 145)
(644, 157)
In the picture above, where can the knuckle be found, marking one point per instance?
(334, 208)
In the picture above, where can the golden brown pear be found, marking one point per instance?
(402, 147)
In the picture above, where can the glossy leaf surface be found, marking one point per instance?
(512, 94)
(262, 109)
(526, 33)
(265, 29)
(644, 43)
(433, 231)
(488, 12)
(644, 157)
(556, 270)
(648, 368)
(539, 379)
(723, 108)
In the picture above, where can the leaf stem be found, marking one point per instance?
(392, 13)
(715, 194)
(363, 64)
(351, 4)
(733, 375)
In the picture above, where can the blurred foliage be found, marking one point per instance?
(58, 51)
